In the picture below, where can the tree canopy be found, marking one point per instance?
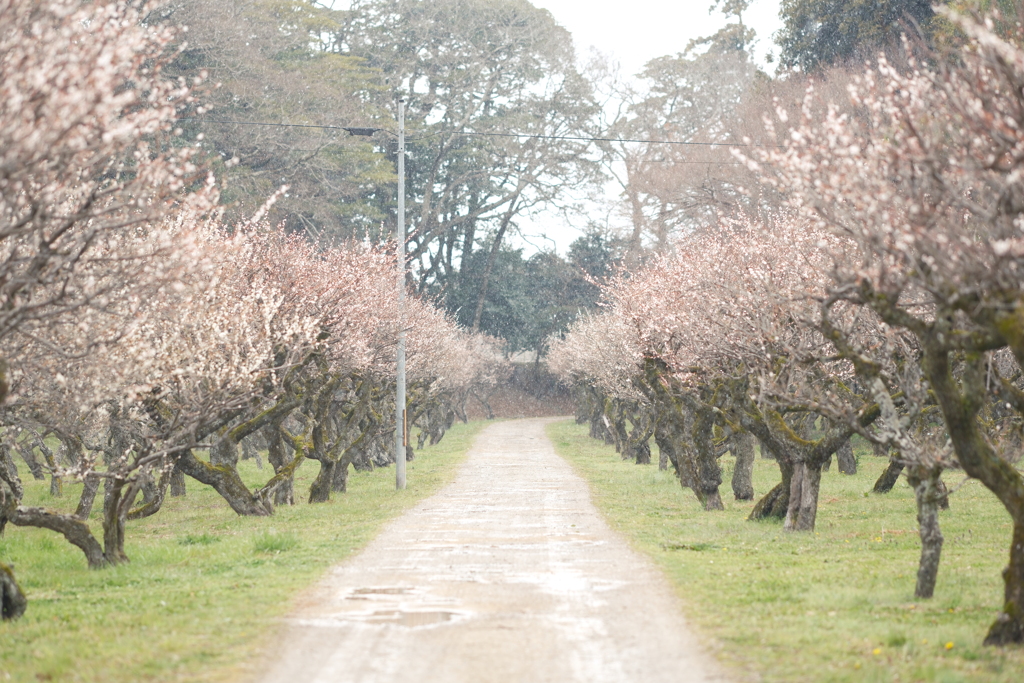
(820, 33)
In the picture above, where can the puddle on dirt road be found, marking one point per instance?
(380, 593)
(413, 619)
(386, 590)
(394, 607)
(410, 619)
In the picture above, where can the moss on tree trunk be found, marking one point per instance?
(742, 446)
(925, 481)
(889, 477)
(279, 457)
(227, 483)
(13, 602)
(960, 403)
(775, 503)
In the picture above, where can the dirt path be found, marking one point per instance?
(508, 574)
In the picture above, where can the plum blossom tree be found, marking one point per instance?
(141, 330)
(925, 185)
(723, 332)
(86, 174)
(263, 329)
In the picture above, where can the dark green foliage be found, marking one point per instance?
(268, 68)
(530, 298)
(595, 255)
(491, 66)
(820, 33)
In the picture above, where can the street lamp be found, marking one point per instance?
(401, 426)
(401, 431)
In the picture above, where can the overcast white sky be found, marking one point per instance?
(636, 31)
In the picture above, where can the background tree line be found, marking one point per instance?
(474, 72)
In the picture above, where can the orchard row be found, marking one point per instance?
(885, 300)
(139, 330)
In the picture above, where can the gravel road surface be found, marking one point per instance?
(508, 574)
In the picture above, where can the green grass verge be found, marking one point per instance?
(834, 605)
(204, 587)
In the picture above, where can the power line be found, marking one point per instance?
(587, 139)
(369, 131)
(348, 129)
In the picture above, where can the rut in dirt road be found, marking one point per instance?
(508, 574)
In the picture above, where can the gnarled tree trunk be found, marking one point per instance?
(115, 514)
(226, 482)
(775, 503)
(25, 450)
(12, 599)
(807, 455)
(339, 483)
(74, 530)
(56, 483)
(975, 453)
(154, 495)
(803, 496)
(667, 451)
(177, 482)
(847, 460)
(709, 474)
(890, 475)
(742, 446)
(280, 456)
(672, 440)
(925, 481)
(320, 489)
(89, 489)
(639, 448)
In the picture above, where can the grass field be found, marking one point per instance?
(834, 605)
(204, 587)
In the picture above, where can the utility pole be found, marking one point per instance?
(401, 435)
